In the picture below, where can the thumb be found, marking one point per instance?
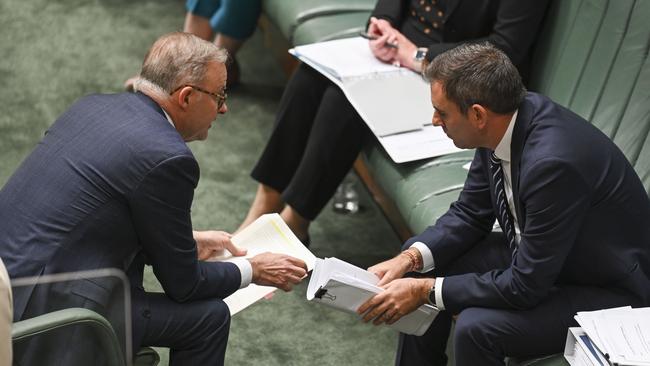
(235, 250)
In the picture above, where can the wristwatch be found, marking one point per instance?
(432, 295)
(420, 54)
(419, 57)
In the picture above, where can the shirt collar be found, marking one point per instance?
(503, 148)
(169, 119)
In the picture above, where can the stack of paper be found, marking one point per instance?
(613, 336)
(394, 102)
(346, 287)
(269, 233)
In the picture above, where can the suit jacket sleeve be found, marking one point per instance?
(390, 10)
(556, 199)
(161, 206)
(467, 221)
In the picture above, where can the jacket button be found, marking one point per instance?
(146, 313)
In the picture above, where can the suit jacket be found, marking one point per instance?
(111, 180)
(510, 25)
(582, 211)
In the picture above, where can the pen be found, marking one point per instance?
(372, 38)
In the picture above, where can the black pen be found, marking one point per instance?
(372, 38)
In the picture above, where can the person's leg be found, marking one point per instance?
(196, 332)
(429, 349)
(335, 140)
(284, 149)
(198, 17)
(486, 336)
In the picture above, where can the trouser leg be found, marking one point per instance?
(336, 138)
(485, 336)
(294, 119)
(429, 349)
(196, 332)
(317, 137)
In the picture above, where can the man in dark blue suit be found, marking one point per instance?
(574, 218)
(111, 186)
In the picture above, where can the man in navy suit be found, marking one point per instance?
(574, 218)
(111, 186)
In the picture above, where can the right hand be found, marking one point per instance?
(277, 270)
(385, 33)
(391, 269)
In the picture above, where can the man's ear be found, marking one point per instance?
(183, 99)
(478, 115)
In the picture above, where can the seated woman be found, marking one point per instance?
(318, 134)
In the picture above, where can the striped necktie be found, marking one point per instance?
(505, 217)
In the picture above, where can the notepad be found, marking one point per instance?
(393, 101)
(346, 287)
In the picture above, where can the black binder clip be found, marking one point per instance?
(322, 293)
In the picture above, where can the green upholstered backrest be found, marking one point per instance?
(592, 57)
(287, 15)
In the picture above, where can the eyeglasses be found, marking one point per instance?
(219, 98)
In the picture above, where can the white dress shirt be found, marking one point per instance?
(502, 151)
(245, 267)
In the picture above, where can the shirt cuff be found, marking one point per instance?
(245, 269)
(438, 293)
(427, 257)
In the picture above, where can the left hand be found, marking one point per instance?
(400, 297)
(405, 52)
(212, 243)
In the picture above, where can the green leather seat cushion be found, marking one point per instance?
(328, 27)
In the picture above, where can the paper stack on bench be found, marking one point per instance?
(619, 336)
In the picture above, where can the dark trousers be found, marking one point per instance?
(196, 332)
(316, 138)
(485, 336)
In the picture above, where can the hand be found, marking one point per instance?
(278, 270)
(391, 269)
(212, 243)
(400, 298)
(378, 27)
(384, 33)
(405, 52)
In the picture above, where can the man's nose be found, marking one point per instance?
(223, 109)
(435, 120)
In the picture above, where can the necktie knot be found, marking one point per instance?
(494, 159)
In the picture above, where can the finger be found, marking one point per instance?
(299, 263)
(234, 250)
(366, 305)
(385, 279)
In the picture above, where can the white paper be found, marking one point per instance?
(621, 333)
(269, 233)
(394, 102)
(348, 287)
(344, 58)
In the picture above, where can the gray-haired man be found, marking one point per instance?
(111, 185)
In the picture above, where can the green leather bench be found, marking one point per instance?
(592, 57)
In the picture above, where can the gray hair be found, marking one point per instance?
(176, 59)
(478, 73)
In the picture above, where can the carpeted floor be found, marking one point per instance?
(53, 52)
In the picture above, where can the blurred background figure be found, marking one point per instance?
(228, 22)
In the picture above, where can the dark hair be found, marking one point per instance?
(478, 73)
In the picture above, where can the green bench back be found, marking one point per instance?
(592, 57)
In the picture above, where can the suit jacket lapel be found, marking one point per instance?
(524, 117)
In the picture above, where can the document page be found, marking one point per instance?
(344, 58)
(269, 233)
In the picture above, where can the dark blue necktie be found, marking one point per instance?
(505, 217)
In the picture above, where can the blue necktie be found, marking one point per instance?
(505, 218)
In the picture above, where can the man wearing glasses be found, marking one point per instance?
(111, 186)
